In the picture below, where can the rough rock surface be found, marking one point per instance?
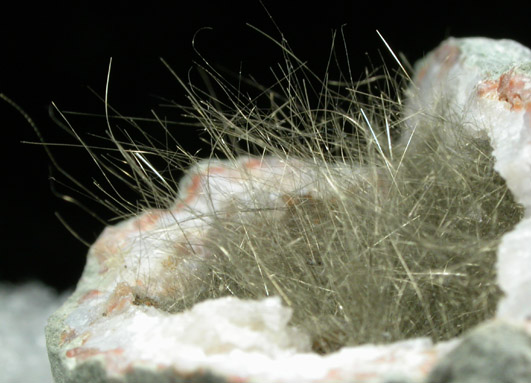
(493, 353)
(108, 332)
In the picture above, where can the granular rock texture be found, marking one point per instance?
(493, 353)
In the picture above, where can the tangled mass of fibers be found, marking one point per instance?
(399, 241)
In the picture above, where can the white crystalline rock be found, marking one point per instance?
(244, 339)
(202, 336)
(514, 269)
(219, 327)
(103, 330)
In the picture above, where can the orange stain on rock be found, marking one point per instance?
(365, 376)
(421, 74)
(192, 190)
(253, 163)
(333, 375)
(83, 353)
(67, 336)
(510, 88)
(447, 55)
(237, 379)
(487, 88)
(431, 359)
(121, 297)
(147, 220)
(110, 243)
(89, 295)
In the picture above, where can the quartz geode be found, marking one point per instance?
(110, 330)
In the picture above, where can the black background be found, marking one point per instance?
(54, 53)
